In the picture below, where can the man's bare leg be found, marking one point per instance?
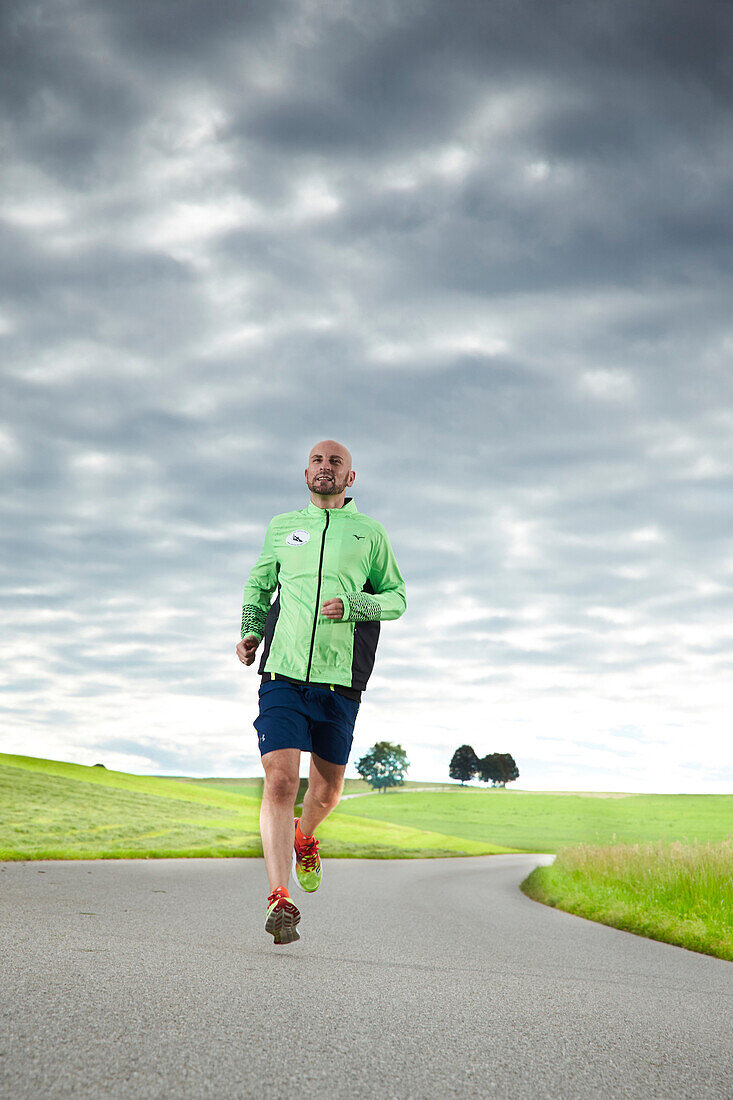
(325, 784)
(277, 811)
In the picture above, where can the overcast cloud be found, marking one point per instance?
(488, 247)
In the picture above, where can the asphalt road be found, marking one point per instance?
(423, 979)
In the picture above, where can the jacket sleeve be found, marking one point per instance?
(258, 590)
(388, 600)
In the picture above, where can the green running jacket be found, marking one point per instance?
(309, 556)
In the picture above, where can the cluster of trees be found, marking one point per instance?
(385, 765)
(497, 768)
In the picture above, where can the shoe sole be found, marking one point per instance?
(281, 923)
(297, 881)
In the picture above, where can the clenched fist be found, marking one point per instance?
(247, 648)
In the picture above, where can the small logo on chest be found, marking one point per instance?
(298, 538)
(359, 536)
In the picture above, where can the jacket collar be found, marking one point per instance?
(348, 506)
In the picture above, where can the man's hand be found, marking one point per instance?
(246, 649)
(333, 609)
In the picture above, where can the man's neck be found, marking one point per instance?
(328, 502)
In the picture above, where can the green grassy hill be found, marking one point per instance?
(55, 810)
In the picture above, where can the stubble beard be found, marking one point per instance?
(327, 488)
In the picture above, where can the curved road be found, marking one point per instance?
(417, 978)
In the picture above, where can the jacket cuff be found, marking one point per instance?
(360, 607)
(253, 621)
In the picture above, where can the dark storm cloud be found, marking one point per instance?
(486, 245)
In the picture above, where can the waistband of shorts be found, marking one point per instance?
(349, 693)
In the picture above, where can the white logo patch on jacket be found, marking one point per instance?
(298, 538)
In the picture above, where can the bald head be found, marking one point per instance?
(329, 474)
(329, 447)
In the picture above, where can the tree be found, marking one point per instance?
(498, 768)
(384, 765)
(489, 769)
(464, 764)
(510, 771)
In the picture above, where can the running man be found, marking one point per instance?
(336, 578)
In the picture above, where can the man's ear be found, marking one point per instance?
(352, 477)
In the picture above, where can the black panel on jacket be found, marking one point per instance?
(270, 623)
(366, 636)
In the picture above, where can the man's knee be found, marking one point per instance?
(280, 785)
(327, 796)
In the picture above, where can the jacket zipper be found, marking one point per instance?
(318, 598)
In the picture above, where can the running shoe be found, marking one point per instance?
(282, 917)
(307, 865)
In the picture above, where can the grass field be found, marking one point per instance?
(54, 810)
(678, 893)
(530, 821)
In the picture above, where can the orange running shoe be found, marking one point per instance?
(282, 917)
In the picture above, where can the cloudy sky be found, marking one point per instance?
(488, 246)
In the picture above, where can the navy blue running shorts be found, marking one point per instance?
(301, 716)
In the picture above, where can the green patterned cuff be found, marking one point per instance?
(253, 620)
(362, 608)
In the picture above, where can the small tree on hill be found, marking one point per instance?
(384, 765)
(510, 771)
(498, 768)
(464, 764)
(489, 770)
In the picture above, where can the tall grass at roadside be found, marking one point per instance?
(679, 893)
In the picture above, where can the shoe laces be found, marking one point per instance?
(308, 856)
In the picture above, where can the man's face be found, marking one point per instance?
(329, 470)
